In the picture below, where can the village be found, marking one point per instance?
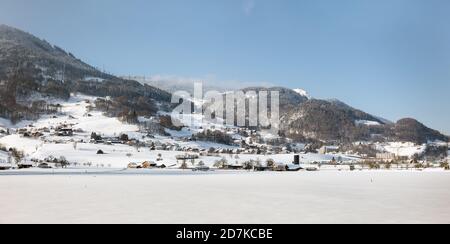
(78, 136)
(241, 112)
(248, 155)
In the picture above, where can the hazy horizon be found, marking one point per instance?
(388, 58)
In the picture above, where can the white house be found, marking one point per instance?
(5, 162)
(328, 149)
(386, 156)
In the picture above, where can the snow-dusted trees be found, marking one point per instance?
(17, 155)
(214, 136)
(270, 163)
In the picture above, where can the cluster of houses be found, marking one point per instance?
(389, 157)
(189, 161)
(379, 157)
(254, 149)
(63, 130)
(259, 168)
(329, 149)
(110, 140)
(146, 165)
(249, 143)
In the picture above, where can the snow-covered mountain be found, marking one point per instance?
(33, 72)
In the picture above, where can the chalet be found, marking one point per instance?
(5, 166)
(22, 131)
(328, 149)
(280, 168)
(97, 141)
(233, 167)
(385, 157)
(133, 166)
(149, 165)
(112, 140)
(25, 165)
(262, 168)
(36, 134)
(5, 161)
(201, 168)
(187, 157)
(44, 166)
(64, 132)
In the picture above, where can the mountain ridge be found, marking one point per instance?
(30, 66)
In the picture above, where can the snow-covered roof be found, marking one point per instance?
(331, 147)
(294, 166)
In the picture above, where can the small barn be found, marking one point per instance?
(4, 161)
(64, 132)
(328, 149)
(149, 165)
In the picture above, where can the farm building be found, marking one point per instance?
(328, 149)
(5, 161)
(64, 132)
(386, 156)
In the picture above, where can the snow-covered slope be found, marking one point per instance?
(302, 93)
(403, 149)
(367, 122)
(27, 145)
(7, 124)
(75, 112)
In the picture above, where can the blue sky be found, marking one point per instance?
(388, 57)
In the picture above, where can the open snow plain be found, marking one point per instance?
(98, 189)
(175, 196)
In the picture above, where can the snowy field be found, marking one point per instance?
(97, 189)
(223, 197)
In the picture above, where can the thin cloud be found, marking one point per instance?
(249, 6)
(210, 82)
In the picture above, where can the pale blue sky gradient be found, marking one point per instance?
(388, 57)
